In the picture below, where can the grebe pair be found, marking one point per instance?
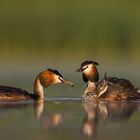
(44, 79)
(110, 88)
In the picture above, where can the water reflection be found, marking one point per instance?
(48, 120)
(6, 106)
(67, 118)
(96, 112)
(104, 111)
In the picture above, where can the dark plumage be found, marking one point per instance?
(85, 79)
(55, 71)
(119, 82)
(89, 62)
(14, 94)
(117, 89)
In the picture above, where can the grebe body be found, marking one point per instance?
(44, 79)
(14, 94)
(110, 88)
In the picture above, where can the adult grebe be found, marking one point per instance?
(44, 79)
(90, 75)
(110, 88)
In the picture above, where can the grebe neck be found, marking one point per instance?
(91, 88)
(38, 89)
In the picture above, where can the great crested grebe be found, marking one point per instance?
(44, 79)
(110, 88)
(90, 75)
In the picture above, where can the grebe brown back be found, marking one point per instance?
(112, 88)
(44, 79)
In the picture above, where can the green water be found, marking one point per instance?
(67, 119)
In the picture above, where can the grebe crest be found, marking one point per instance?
(50, 76)
(89, 70)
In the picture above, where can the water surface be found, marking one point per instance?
(70, 118)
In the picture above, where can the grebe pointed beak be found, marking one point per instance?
(67, 82)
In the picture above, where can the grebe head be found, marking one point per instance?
(47, 78)
(51, 76)
(89, 70)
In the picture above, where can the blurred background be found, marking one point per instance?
(37, 34)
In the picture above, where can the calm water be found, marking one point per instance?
(70, 118)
